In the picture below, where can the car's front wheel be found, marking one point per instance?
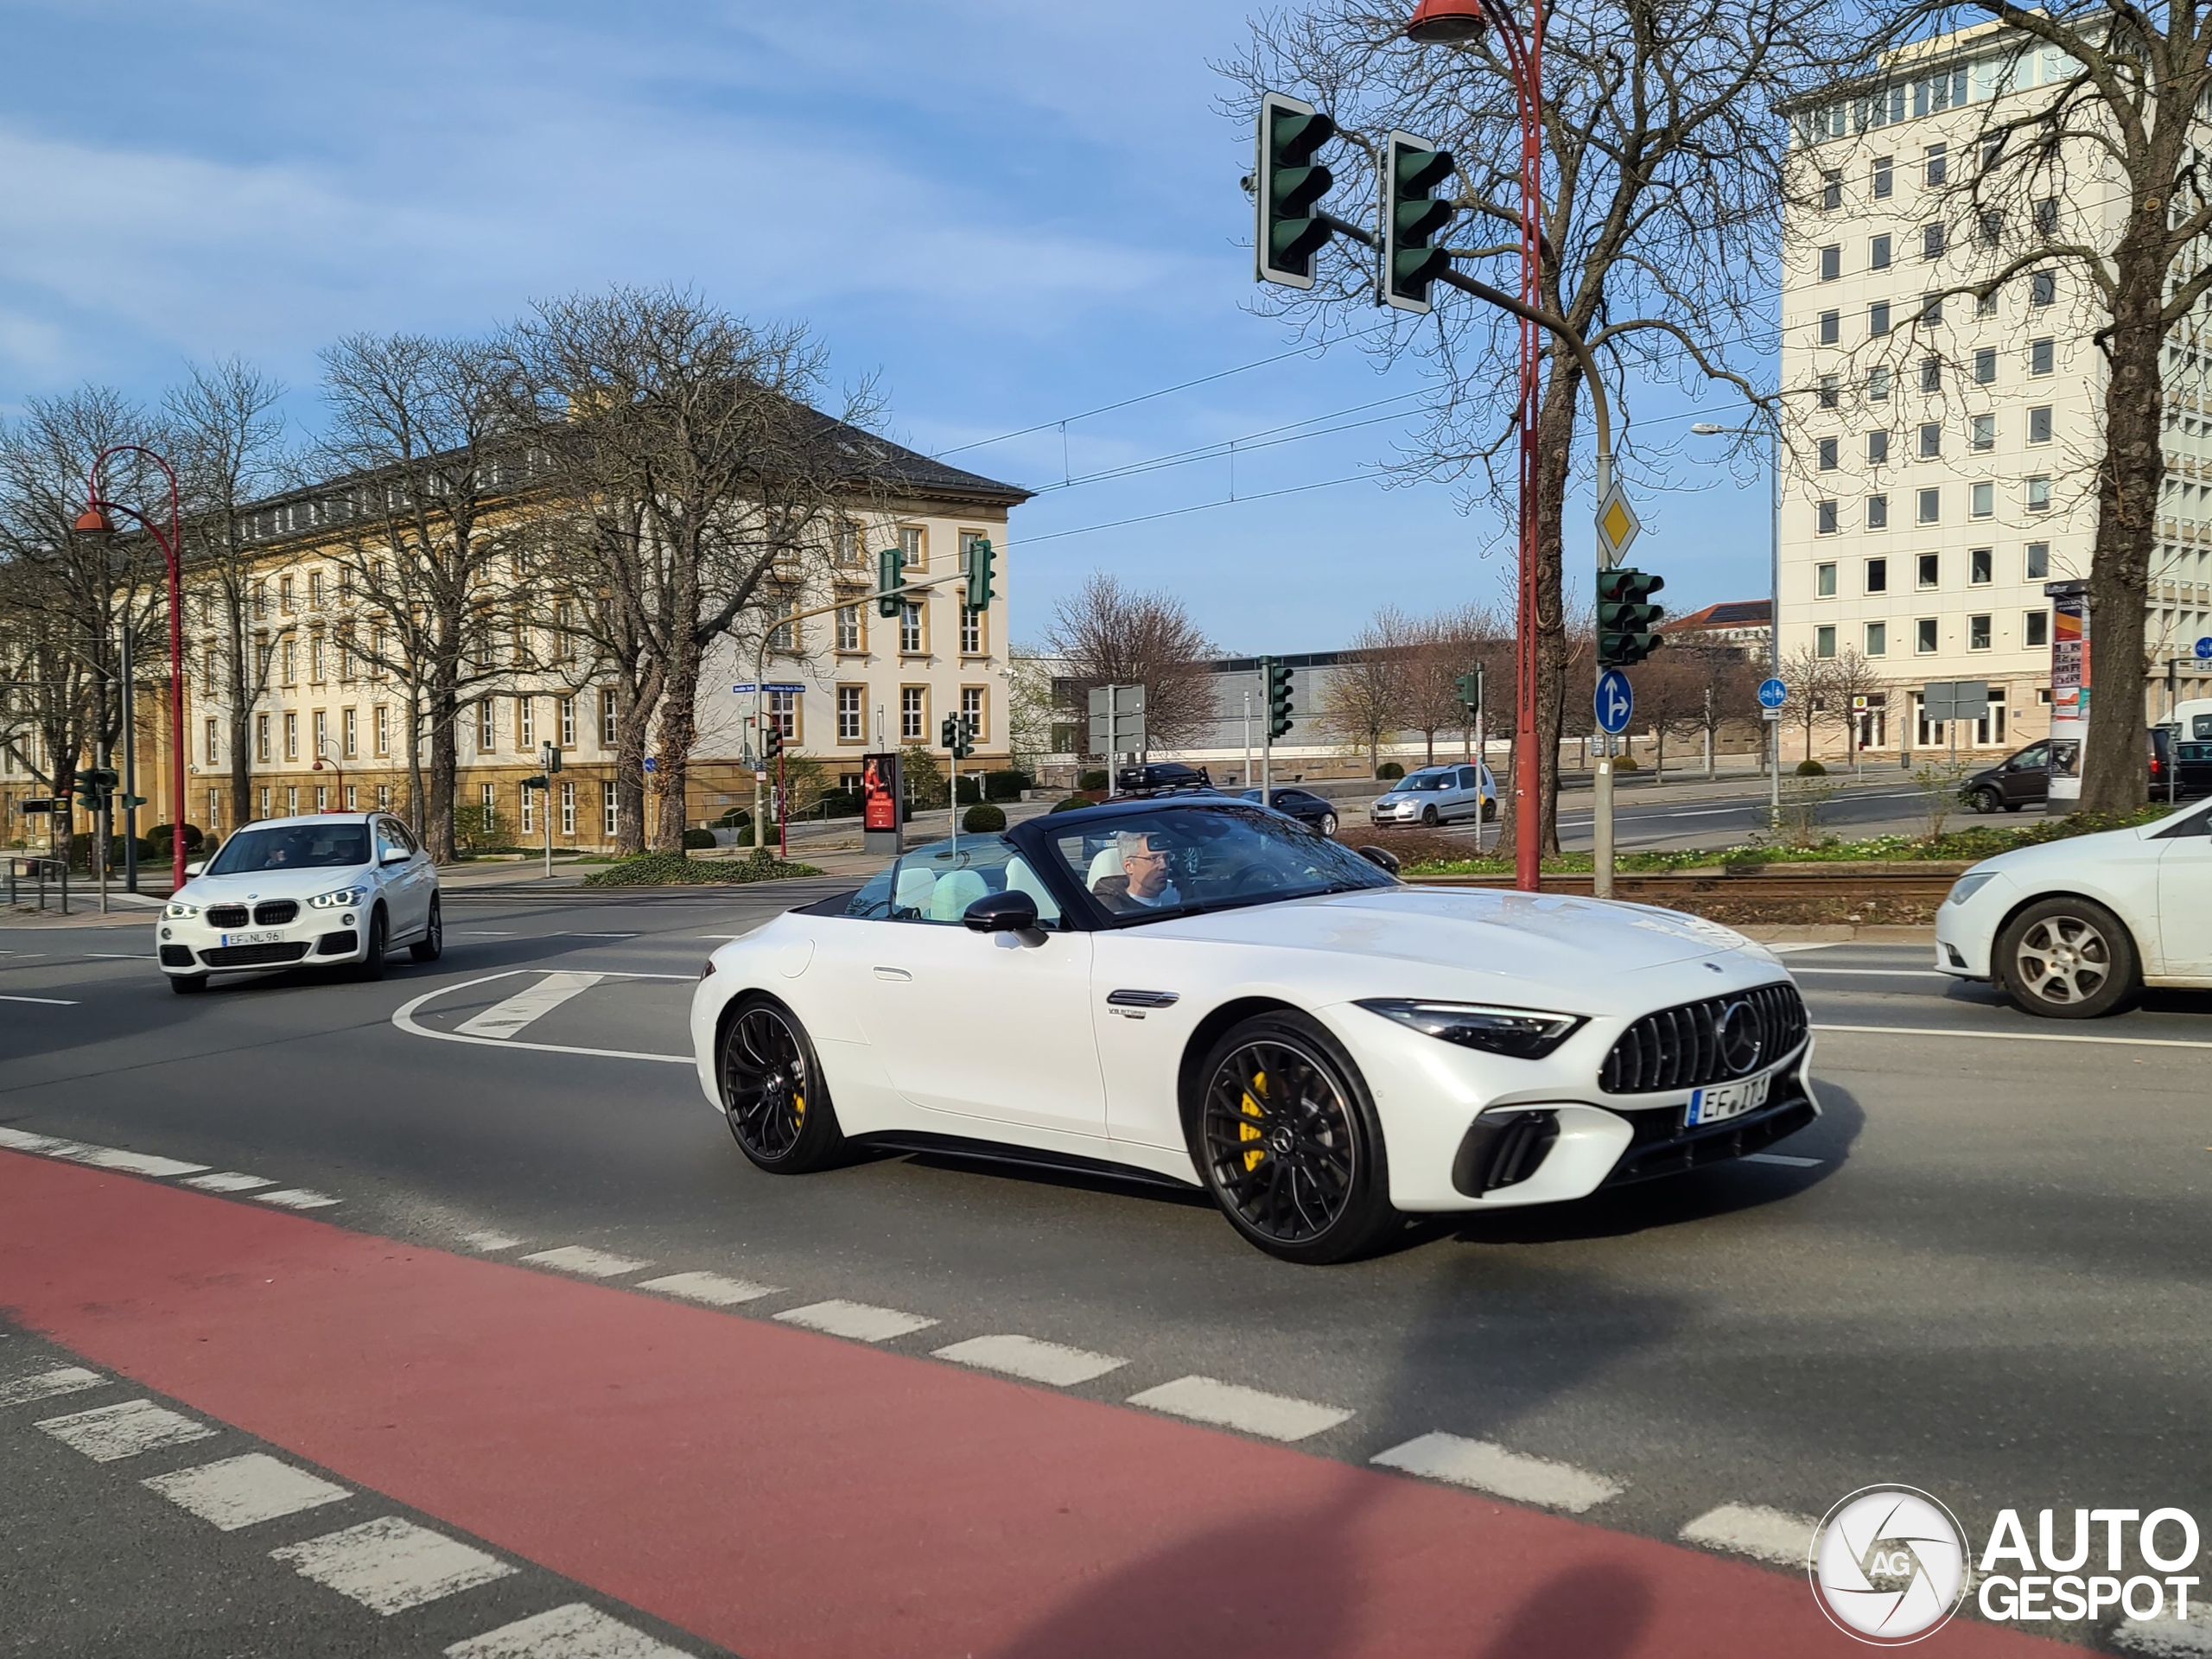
(2067, 958)
(772, 1091)
(371, 965)
(1429, 817)
(432, 945)
(1329, 825)
(1287, 1144)
(1985, 800)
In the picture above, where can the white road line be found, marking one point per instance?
(229, 1180)
(297, 1198)
(857, 1320)
(390, 1564)
(1273, 1416)
(593, 1264)
(23, 1140)
(50, 1002)
(1878, 973)
(109, 955)
(1491, 1468)
(571, 933)
(1782, 1157)
(490, 1243)
(1767, 1535)
(238, 1491)
(506, 1018)
(108, 1433)
(1034, 1361)
(484, 933)
(709, 1287)
(46, 1385)
(2166, 1638)
(404, 1017)
(1793, 949)
(575, 1631)
(2020, 1036)
(134, 1163)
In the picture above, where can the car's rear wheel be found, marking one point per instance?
(185, 984)
(1985, 800)
(2067, 958)
(372, 966)
(432, 945)
(1287, 1142)
(1329, 824)
(772, 1091)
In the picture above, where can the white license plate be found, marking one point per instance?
(269, 937)
(1727, 1100)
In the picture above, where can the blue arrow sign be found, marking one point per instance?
(2204, 649)
(1614, 702)
(1773, 694)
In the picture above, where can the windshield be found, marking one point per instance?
(292, 847)
(1430, 780)
(1166, 863)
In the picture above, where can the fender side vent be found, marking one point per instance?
(1503, 1149)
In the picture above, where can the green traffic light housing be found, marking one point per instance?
(980, 557)
(1411, 220)
(1626, 616)
(890, 577)
(771, 740)
(1277, 674)
(1470, 688)
(957, 733)
(1287, 184)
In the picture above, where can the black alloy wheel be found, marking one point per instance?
(1287, 1144)
(371, 965)
(773, 1093)
(1985, 799)
(432, 945)
(2067, 958)
(1429, 817)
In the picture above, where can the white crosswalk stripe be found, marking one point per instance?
(1032, 1360)
(230, 1181)
(297, 1198)
(46, 1385)
(238, 1491)
(856, 1321)
(106, 1433)
(1488, 1467)
(593, 1264)
(576, 1631)
(1751, 1529)
(711, 1289)
(1229, 1405)
(390, 1565)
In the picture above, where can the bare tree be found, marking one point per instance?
(1107, 635)
(1810, 679)
(1366, 695)
(1670, 689)
(1442, 648)
(1727, 686)
(1851, 679)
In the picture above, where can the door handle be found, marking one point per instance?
(899, 974)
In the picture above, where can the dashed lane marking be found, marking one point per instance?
(2019, 1036)
(297, 1198)
(571, 933)
(1765, 1535)
(238, 1491)
(1228, 1405)
(593, 1264)
(490, 1243)
(1782, 1157)
(576, 1631)
(134, 1163)
(390, 1564)
(404, 1017)
(230, 1181)
(2166, 1638)
(50, 1002)
(711, 1289)
(113, 956)
(1032, 1360)
(1488, 1467)
(1878, 973)
(23, 1140)
(527, 1006)
(46, 1385)
(856, 1321)
(107, 1433)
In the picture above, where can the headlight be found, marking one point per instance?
(339, 899)
(178, 909)
(1968, 885)
(1522, 1033)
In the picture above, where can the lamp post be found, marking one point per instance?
(95, 521)
(322, 761)
(1714, 430)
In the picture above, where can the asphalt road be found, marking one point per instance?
(1980, 1273)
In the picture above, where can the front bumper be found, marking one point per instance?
(315, 938)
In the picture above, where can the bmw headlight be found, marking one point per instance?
(1968, 885)
(339, 899)
(1521, 1033)
(178, 909)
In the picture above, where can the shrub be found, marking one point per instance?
(983, 819)
(736, 818)
(1091, 780)
(840, 803)
(1071, 803)
(971, 789)
(157, 838)
(695, 839)
(926, 786)
(1811, 769)
(1626, 763)
(1005, 785)
(476, 829)
(1390, 770)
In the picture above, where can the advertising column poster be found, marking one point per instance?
(2069, 690)
(880, 830)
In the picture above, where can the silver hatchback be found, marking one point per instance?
(1437, 795)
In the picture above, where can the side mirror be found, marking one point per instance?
(1001, 912)
(191, 870)
(1381, 857)
(394, 856)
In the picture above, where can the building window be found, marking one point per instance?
(2038, 561)
(1989, 228)
(1931, 440)
(849, 555)
(487, 798)
(783, 639)
(314, 590)
(568, 723)
(2034, 628)
(1881, 176)
(1977, 634)
(1931, 374)
(607, 720)
(971, 632)
(1982, 500)
(910, 630)
(1931, 241)
(315, 650)
(783, 714)
(1877, 638)
(2043, 287)
(606, 810)
(352, 799)
(1985, 305)
(383, 798)
(1824, 518)
(1831, 328)
(1923, 636)
(1877, 512)
(526, 723)
(1878, 448)
(971, 709)
(1878, 318)
(284, 594)
(291, 737)
(383, 729)
(848, 628)
(2046, 216)
(1981, 566)
(1824, 640)
(1931, 506)
(1878, 386)
(1831, 261)
(209, 757)
(1829, 398)
(261, 737)
(1825, 450)
(2039, 425)
(349, 733)
(1877, 575)
(2039, 494)
(292, 801)
(568, 809)
(1937, 166)
(487, 737)
(214, 809)
(1982, 433)
(321, 735)
(1926, 569)
(1931, 311)
(1878, 253)
(1831, 191)
(1824, 580)
(2041, 356)
(913, 546)
(528, 798)
(288, 658)
(267, 808)
(852, 714)
(913, 714)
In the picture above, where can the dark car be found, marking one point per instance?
(2023, 779)
(1309, 808)
(1157, 776)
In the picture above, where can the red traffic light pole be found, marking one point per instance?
(95, 521)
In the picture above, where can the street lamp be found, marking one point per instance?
(1773, 434)
(324, 761)
(95, 522)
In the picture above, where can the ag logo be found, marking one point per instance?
(1888, 1564)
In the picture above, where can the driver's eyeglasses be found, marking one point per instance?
(1147, 856)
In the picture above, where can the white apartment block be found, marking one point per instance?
(1939, 460)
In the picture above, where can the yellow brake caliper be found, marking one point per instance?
(1252, 1108)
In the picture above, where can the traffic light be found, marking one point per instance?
(94, 785)
(1411, 218)
(1471, 691)
(1278, 689)
(541, 781)
(981, 556)
(957, 733)
(1286, 183)
(890, 577)
(771, 740)
(1625, 616)
(550, 757)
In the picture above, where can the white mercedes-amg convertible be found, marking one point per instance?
(1201, 989)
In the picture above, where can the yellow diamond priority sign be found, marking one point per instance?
(1618, 528)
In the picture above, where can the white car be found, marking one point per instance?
(1203, 990)
(2076, 928)
(1437, 795)
(337, 890)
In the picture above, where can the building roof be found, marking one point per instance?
(1728, 613)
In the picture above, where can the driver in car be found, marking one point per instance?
(1143, 883)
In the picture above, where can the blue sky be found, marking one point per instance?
(1012, 213)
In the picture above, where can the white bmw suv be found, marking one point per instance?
(341, 889)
